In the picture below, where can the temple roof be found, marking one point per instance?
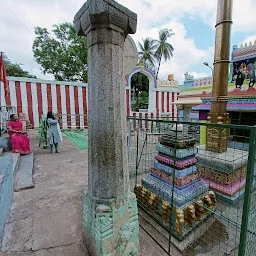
(247, 104)
(243, 53)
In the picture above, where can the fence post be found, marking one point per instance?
(248, 190)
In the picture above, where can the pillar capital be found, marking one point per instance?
(105, 16)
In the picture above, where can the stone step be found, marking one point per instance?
(5, 143)
(1, 151)
(24, 176)
(16, 158)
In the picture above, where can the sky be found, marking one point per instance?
(193, 23)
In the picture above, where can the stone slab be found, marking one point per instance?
(24, 175)
(20, 254)
(57, 226)
(15, 157)
(228, 161)
(6, 191)
(18, 236)
(162, 236)
(76, 249)
(148, 246)
(22, 207)
(229, 214)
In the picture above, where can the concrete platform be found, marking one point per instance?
(227, 162)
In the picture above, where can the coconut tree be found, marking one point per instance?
(164, 50)
(139, 82)
(147, 52)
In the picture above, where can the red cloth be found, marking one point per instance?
(3, 75)
(20, 142)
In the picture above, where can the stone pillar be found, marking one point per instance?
(186, 114)
(110, 214)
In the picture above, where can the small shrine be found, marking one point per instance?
(174, 182)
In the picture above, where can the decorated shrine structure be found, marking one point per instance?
(194, 100)
(225, 173)
(174, 182)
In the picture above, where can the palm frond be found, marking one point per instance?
(147, 49)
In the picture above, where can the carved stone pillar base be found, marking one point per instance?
(111, 227)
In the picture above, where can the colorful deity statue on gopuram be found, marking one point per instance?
(243, 65)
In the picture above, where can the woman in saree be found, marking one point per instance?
(19, 139)
(54, 133)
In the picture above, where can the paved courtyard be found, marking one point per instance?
(47, 220)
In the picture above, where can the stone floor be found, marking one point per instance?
(47, 220)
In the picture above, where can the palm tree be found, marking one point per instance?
(147, 52)
(164, 49)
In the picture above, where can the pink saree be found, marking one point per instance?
(20, 142)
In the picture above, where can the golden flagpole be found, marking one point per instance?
(217, 138)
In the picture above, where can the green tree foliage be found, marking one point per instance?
(151, 51)
(139, 83)
(147, 52)
(164, 49)
(140, 87)
(15, 69)
(141, 101)
(61, 53)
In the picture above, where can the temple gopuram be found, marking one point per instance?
(194, 99)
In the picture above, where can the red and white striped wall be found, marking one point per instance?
(160, 102)
(36, 97)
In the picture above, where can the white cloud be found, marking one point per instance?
(17, 33)
(198, 75)
(186, 55)
(244, 16)
(249, 39)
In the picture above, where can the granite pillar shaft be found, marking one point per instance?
(108, 158)
(110, 214)
(186, 114)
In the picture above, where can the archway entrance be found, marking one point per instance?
(141, 82)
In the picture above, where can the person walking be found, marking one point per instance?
(54, 133)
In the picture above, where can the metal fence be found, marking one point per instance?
(193, 201)
(5, 113)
